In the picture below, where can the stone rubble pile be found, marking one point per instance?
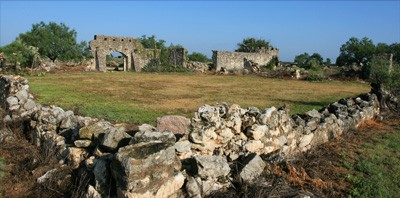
(195, 156)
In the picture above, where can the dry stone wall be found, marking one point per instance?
(236, 60)
(195, 155)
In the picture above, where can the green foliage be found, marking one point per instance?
(151, 42)
(196, 56)
(328, 62)
(252, 45)
(379, 72)
(18, 51)
(395, 50)
(313, 62)
(377, 172)
(270, 65)
(316, 75)
(356, 51)
(302, 59)
(55, 41)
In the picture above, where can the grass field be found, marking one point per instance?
(142, 97)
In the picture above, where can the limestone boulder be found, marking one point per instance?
(145, 168)
(115, 138)
(253, 166)
(211, 166)
(95, 130)
(149, 136)
(174, 124)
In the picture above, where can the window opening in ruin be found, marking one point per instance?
(105, 39)
(122, 39)
(95, 37)
(116, 61)
(113, 39)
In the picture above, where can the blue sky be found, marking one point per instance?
(294, 27)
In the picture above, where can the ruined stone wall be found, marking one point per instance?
(236, 60)
(148, 163)
(135, 55)
(178, 57)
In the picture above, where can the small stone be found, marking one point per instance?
(183, 146)
(254, 146)
(306, 140)
(83, 143)
(257, 131)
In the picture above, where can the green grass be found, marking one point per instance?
(142, 97)
(377, 169)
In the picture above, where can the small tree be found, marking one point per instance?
(196, 56)
(53, 40)
(252, 45)
(19, 52)
(328, 62)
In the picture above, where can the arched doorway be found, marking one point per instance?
(116, 61)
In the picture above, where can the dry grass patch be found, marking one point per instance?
(141, 97)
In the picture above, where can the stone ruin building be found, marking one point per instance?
(239, 60)
(135, 55)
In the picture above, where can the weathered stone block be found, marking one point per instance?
(174, 124)
(253, 166)
(211, 166)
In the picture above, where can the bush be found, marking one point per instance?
(316, 75)
(199, 57)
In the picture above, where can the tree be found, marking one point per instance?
(196, 56)
(328, 62)
(252, 45)
(53, 40)
(356, 51)
(302, 59)
(18, 51)
(395, 50)
(151, 42)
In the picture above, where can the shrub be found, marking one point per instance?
(196, 56)
(316, 75)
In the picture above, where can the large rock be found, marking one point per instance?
(102, 176)
(12, 101)
(29, 105)
(94, 130)
(22, 96)
(117, 137)
(266, 115)
(211, 166)
(143, 169)
(253, 166)
(174, 124)
(69, 121)
(149, 136)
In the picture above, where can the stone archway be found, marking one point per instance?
(127, 46)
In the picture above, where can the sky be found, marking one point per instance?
(294, 27)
